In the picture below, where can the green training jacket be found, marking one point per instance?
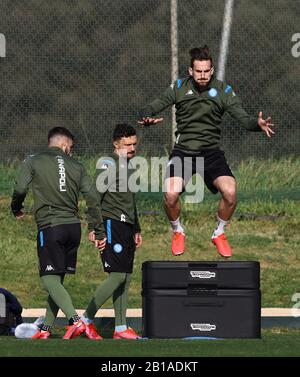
(199, 113)
(116, 199)
(57, 180)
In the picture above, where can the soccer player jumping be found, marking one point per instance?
(201, 101)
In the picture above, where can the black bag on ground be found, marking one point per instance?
(10, 312)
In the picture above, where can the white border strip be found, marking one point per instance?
(108, 313)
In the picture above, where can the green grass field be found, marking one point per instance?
(265, 227)
(275, 342)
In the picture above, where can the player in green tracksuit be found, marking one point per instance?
(122, 229)
(57, 180)
(201, 101)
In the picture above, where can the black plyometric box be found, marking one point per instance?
(233, 275)
(188, 299)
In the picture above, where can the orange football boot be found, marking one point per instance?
(41, 335)
(127, 334)
(178, 243)
(91, 332)
(222, 245)
(74, 330)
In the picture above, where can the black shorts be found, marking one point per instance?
(215, 165)
(57, 249)
(118, 254)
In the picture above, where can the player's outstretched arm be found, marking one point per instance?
(148, 121)
(147, 115)
(265, 124)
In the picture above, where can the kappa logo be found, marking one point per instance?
(203, 327)
(106, 264)
(123, 218)
(189, 93)
(49, 268)
(202, 274)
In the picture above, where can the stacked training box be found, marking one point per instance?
(201, 299)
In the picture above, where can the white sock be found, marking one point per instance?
(120, 328)
(220, 227)
(86, 320)
(176, 226)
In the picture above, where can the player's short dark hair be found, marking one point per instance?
(123, 130)
(200, 53)
(61, 131)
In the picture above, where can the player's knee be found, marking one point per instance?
(123, 277)
(44, 284)
(44, 287)
(171, 199)
(51, 282)
(120, 277)
(229, 195)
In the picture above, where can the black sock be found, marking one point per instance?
(46, 328)
(74, 319)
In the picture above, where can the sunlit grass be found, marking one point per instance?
(265, 227)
